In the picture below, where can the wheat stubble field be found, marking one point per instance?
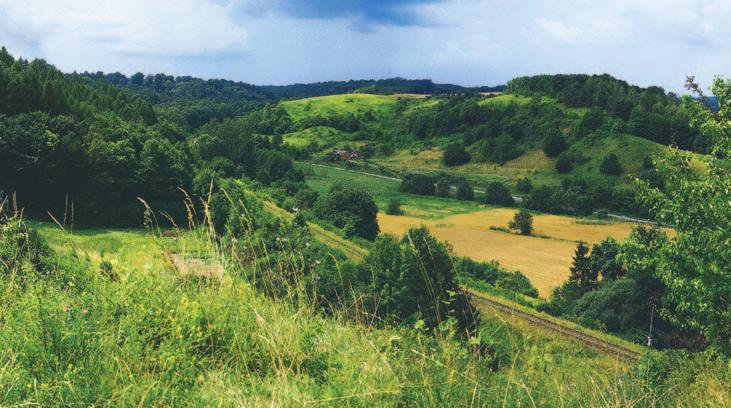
(545, 257)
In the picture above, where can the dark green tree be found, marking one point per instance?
(610, 165)
(554, 144)
(524, 185)
(465, 192)
(497, 193)
(443, 186)
(581, 272)
(523, 222)
(394, 207)
(564, 163)
(350, 208)
(417, 183)
(455, 154)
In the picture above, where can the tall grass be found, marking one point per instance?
(71, 335)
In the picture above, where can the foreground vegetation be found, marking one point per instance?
(77, 334)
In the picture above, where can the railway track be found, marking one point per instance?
(587, 339)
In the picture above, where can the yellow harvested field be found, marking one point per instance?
(545, 261)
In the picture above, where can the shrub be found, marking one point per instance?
(522, 221)
(493, 274)
(499, 150)
(350, 208)
(415, 279)
(417, 183)
(455, 154)
(541, 199)
(554, 144)
(465, 192)
(524, 185)
(497, 193)
(564, 163)
(442, 188)
(610, 165)
(394, 207)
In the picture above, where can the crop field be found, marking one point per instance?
(544, 258)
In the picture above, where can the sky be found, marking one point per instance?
(466, 42)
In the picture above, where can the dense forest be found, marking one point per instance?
(88, 151)
(380, 86)
(647, 112)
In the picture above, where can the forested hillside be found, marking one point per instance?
(88, 151)
(576, 159)
(380, 86)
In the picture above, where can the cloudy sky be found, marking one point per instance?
(469, 42)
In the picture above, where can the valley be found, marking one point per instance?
(560, 240)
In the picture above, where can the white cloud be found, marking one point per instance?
(469, 41)
(135, 27)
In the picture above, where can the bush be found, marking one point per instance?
(416, 183)
(554, 144)
(350, 208)
(564, 163)
(499, 150)
(394, 207)
(610, 165)
(497, 193)
(455, 154)
(523, 221)
(465, 192)
(524, 185)
(493, 274)
(415, 279)
(442, 188)
(541, 199)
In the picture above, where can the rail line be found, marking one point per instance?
(587, 339)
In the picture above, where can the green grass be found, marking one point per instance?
(534, 164)
(338, 105)
(127, 249)
(382, 190)
(526, 304)
(72, 337)
(323, 135)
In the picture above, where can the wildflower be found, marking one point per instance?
(317, 261)
(295, 209)
(307, 245)
(67, 308)
(85, 312)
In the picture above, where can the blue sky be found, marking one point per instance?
(469, 42)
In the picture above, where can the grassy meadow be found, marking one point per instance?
(338, 105)
(154, 337)
(383, 190)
